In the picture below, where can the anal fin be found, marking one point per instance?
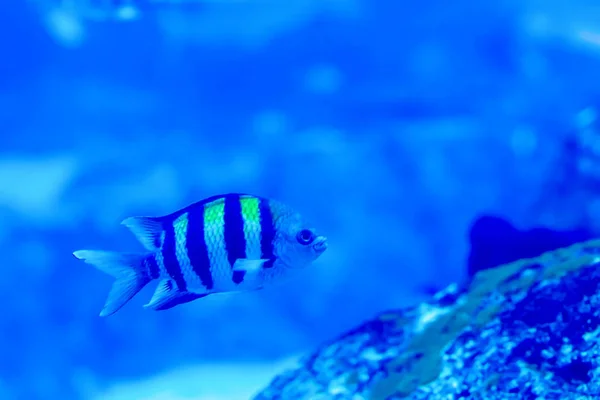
(168, 296)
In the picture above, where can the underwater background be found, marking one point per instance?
(392, 125)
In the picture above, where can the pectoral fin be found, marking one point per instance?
(245, 269)
(168, 296)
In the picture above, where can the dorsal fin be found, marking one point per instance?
(148, 230)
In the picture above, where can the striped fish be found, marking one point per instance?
(225, 243)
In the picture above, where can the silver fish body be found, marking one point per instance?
(226, 243)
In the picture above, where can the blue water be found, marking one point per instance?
(390, 125)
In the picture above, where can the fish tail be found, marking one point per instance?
(130, 271)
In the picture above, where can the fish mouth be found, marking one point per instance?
(320, 244)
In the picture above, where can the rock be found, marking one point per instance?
(524, 330)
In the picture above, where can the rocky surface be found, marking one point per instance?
(528, 329)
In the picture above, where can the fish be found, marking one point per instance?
(231, 242)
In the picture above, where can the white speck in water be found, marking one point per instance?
(523, 141)
(270, 124)
(586, 117)
(128, 13)
(323, 79)
(65, 27)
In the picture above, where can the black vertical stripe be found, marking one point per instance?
(197, 248)
(238, 277)
(235, 242)
(169, 253)
(267, 232)
(152, 266)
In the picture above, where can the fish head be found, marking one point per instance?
(297, 244)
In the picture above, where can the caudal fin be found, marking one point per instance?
(128, 269)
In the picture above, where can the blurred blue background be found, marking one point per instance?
(390, 124)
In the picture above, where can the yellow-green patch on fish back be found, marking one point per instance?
(214, 236)
(252, 227)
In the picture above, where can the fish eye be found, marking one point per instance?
(305, 237)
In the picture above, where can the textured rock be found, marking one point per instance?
(528, 329)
